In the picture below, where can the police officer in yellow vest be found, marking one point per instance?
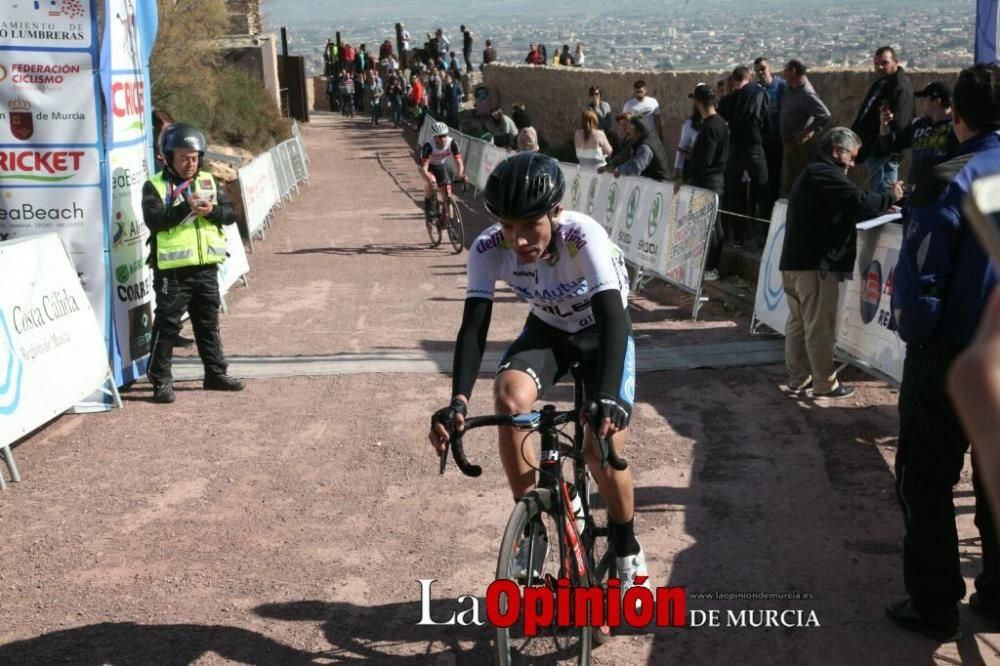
(185, 208)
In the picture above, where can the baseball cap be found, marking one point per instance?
(703, 93)
(935, 89)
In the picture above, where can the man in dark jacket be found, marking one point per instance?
(749, 120)
(891, 89)
(940, 288)
(489, 54)
(649, 157)
(820, 245)
(467, 41)
(706, 165)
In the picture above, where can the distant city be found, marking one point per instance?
(710, 35)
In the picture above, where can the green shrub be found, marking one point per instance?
(190, 82)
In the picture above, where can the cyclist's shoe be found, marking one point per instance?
(519, 565)
(630, 568)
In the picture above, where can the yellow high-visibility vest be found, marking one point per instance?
(197, 241)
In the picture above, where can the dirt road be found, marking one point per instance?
(289, 524)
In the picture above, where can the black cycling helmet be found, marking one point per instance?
(525, 186)
(182, 135)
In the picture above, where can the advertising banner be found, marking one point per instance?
(52, 351)
(770, 307)
(132, 278)
(690, 216)
(236, 265)
(865, 316)
(259, 189)
(129, 32)
(49, 98)
(51, 138)
(491, 157)
(50, 25)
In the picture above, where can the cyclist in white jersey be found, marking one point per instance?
(564, 265)
(434, 156)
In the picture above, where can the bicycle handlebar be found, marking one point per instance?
(604, 446)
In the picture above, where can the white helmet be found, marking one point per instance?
(439, 129)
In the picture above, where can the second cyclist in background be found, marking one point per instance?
(436, 158)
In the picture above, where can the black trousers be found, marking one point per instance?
(467, 54)
(744, 199)
(714, 250)
(929, 460)
(774, 153)
(196, 290)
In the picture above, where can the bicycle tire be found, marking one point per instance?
(456, 231)
(433, 229)
(600, 554)
(551, 644)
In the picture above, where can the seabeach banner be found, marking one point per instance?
(52, 351)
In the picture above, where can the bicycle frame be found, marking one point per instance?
(443, 194)
(550, 475)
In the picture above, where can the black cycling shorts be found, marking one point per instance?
(443, 173)
(546, 354)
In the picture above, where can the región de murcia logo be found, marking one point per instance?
(21, 124)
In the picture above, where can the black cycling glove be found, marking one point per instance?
(446, 415)
(610, 408)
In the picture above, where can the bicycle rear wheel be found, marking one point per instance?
(456, 231)
(532, 526)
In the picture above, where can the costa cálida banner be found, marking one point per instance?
(51, 137)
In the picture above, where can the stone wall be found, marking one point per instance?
(554, 96)
(244, 17)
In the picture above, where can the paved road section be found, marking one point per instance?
(289, 524)
(727, 355)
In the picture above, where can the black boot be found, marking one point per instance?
(164, 393)
(222, 383)
(941, 626)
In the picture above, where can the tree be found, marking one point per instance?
(185, 63)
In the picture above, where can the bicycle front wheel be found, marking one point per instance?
(529, 554)
(597, 545)
(456, 231)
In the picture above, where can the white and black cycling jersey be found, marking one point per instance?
(431, 154)
(583, 262)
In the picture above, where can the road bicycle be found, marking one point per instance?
(584, 555)
(446, 217)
